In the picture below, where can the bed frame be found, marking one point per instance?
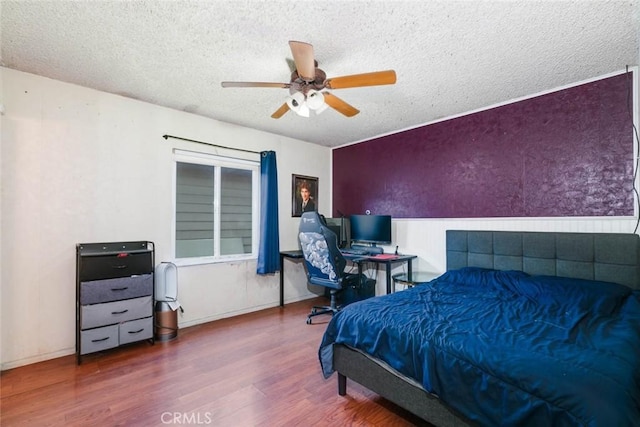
(609, 257)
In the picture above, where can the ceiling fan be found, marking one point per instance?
(309, 84)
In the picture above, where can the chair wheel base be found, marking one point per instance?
(320, 310)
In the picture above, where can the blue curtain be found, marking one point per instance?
(269, 249)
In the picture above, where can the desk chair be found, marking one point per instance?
(324, 263)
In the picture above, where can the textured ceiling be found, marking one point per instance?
(450, 57)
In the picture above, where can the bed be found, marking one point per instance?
(524, 328)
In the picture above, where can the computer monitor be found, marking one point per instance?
(373, 229)
(340, 226)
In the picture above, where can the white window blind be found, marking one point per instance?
(216, 208)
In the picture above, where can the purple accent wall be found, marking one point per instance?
(567, 153)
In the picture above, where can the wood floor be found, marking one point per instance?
(259, 369)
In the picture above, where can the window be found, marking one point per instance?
(216, 208)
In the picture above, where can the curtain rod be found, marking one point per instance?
(208, 143)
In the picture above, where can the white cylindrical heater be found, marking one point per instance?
(166, 305)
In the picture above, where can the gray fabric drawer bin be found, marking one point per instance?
(99, 291)
(92, 316)
(99, 339)
(136, 330)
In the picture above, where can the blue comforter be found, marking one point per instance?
(506, 348)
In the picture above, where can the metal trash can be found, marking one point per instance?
(166, 326)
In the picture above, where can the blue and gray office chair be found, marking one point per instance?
(324, 262)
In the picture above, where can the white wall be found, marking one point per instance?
(1, 192)
(79, 165)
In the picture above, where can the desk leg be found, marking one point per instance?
(409, 270)
(281, 280)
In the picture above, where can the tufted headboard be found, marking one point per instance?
(609, 257)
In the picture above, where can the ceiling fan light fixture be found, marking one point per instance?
(295, 100)
(304, 111)
(297, 104)
(315, 101)
(321, 109)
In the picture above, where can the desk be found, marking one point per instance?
(292, 255)
(357, 259)
(388, 262)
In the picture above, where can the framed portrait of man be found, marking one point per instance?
(305, 194)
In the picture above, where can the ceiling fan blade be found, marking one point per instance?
(280, 111)
(339, 105)
(291, 64)
(256, 84)
(303, 57)
(376, 78)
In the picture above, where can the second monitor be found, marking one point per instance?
(340, 226)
